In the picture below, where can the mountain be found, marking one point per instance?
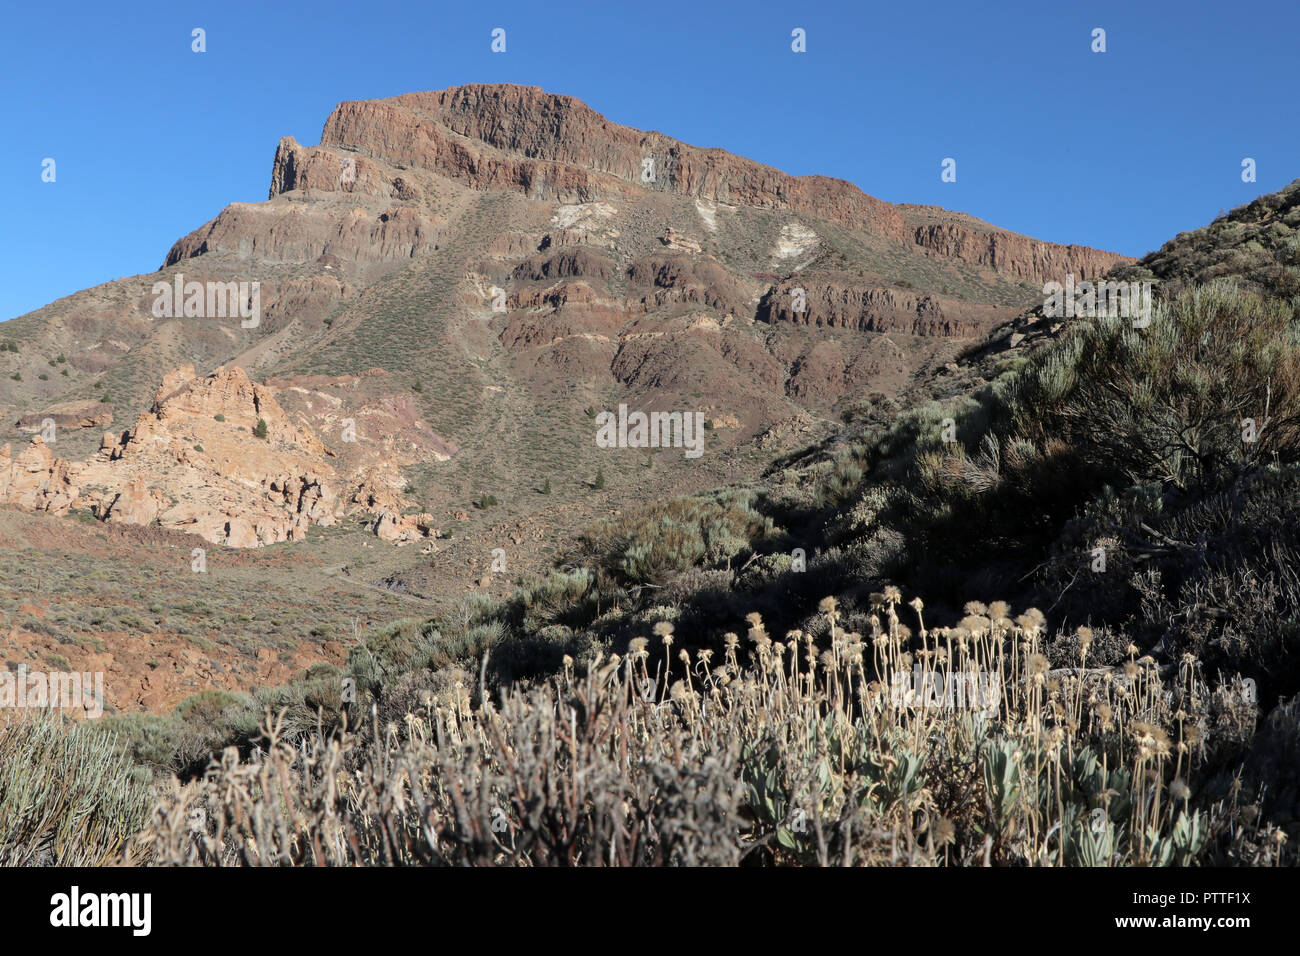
(389, 481)
(448, 292)
(379, 248)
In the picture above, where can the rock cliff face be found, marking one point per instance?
(1014, 255)
(360, 235)
(555, 148)
(833, 302)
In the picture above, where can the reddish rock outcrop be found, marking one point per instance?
(87, 413)
(1014, 255)
(553, 147)
(36, 480)
(841, 303)
(217, 456)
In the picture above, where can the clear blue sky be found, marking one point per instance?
(1119, 150)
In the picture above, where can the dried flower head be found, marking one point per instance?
(1105, 715)
(943, 831)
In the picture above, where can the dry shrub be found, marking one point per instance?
(785, 752)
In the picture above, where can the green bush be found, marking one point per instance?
(1168, 402)
(660, 541)
(68, 795)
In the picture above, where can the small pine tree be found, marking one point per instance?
(546, 487)
(599, 483)
(260, 430)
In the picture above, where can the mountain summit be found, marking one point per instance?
(447, 295)
(627, 266)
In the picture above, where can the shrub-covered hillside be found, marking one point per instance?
(766, 674)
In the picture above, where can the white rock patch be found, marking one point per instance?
(708, 213)
(796, 240)
(584, 214)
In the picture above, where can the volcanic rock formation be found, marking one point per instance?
(216, 456)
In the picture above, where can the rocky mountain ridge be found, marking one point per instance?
(487, 265)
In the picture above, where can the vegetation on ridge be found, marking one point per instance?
(1132, 489)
